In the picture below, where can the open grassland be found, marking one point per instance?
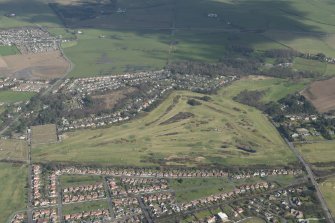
(8, 50)
(28, 13)
(196, 188)
(176, 133)
(275, 88)
(309, 65)
(328, 190)
(321, 94)
(317, 152)
(117, 52)
(12, 189)
(12, 96)
(13, 149)
(73, 180)
(85, 206)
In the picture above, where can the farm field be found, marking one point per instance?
(322, 152)
(7, 96)
(321, 94)
(176, 133)
(43, 66)
(12, 189)
(27, 14)
(194, 36)
(43, 134)
(8, 50)
(13, 149)
(328, 190)
(117, 52)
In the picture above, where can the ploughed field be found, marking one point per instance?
(40, 66)
(218, 131)
(322, 95)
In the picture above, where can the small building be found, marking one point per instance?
(223, 217)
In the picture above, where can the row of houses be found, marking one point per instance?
(22, 85)
(88, 216)
(125, 207)
(40, 198)
(217, 198)
(45, 216)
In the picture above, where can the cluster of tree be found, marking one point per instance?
(251, 98)
(201, 68)
(193, 102)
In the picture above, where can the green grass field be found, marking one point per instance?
(72, 180)
(85, 206)
(117, 52)
(195, 188)
(328, 190)
(32, 13)
(8, 50)
(210, 137)
(275, 88)
(140, 39)
(12, 96)
(13, 149)
(12, 189)
(317, 152)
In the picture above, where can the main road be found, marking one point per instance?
(311, 176)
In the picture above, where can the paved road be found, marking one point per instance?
(109, 198)
(310, 173)
(59, 201)
(144, 210)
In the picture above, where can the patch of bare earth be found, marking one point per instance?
(321, 94)
(40, 66)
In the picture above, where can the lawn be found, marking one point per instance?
(8, 50)
(13, 149)
(86, 206)
(7, 96)
(253, 220)
(210, 137)
(317, 152)
(12, 189)
(328, 190)
(73, 180)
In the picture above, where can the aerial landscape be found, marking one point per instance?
(164, 111)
